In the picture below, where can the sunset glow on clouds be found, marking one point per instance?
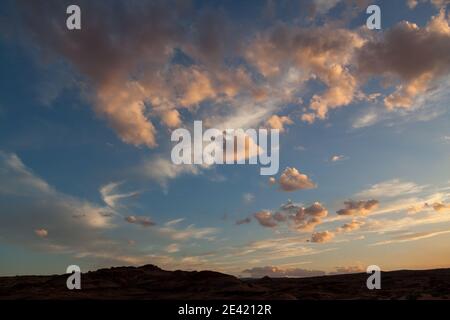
(86, 117)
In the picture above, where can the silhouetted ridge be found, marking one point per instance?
(152, 282)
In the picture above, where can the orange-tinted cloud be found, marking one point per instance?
(277, 272)
(42, 233)
(321, 237)
(277, 122)
(411, 55)
(362, 207)
(291, 180)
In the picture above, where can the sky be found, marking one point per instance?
(86, 117)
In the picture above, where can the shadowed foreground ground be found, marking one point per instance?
(151, 282)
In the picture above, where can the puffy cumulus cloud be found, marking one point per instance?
(151, 66)
(291, 180)
(111, 58)
(199, 88)
(342, 88)
(134, 70)
(390, 189)
(321, 53)
(308, 117)
(277, 122)
(42, 233)
(125, 110)
(350, 226)
(171, 118)
(296, 216)
(306, 219)
(413, 56)
(143, 221)
(266, 219)
(405, 94)
(322, 237)
(277, 272)
(361, 207)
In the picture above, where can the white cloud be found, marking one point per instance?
(366, 119)
(411, 237)
(111, 196)
(390, 189)
(188, 233)
(173, 222)
(337, 158)
(248, 197)
(162, 170)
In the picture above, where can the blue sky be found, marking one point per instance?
(85, 183)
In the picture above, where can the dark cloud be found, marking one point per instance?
(143, 221)
(362, 207)
(244, 221)
(294, 215)
(415, 56)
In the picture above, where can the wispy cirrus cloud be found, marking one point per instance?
(390, 188)
(112, 197)
(62, 219)
(411, 237)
